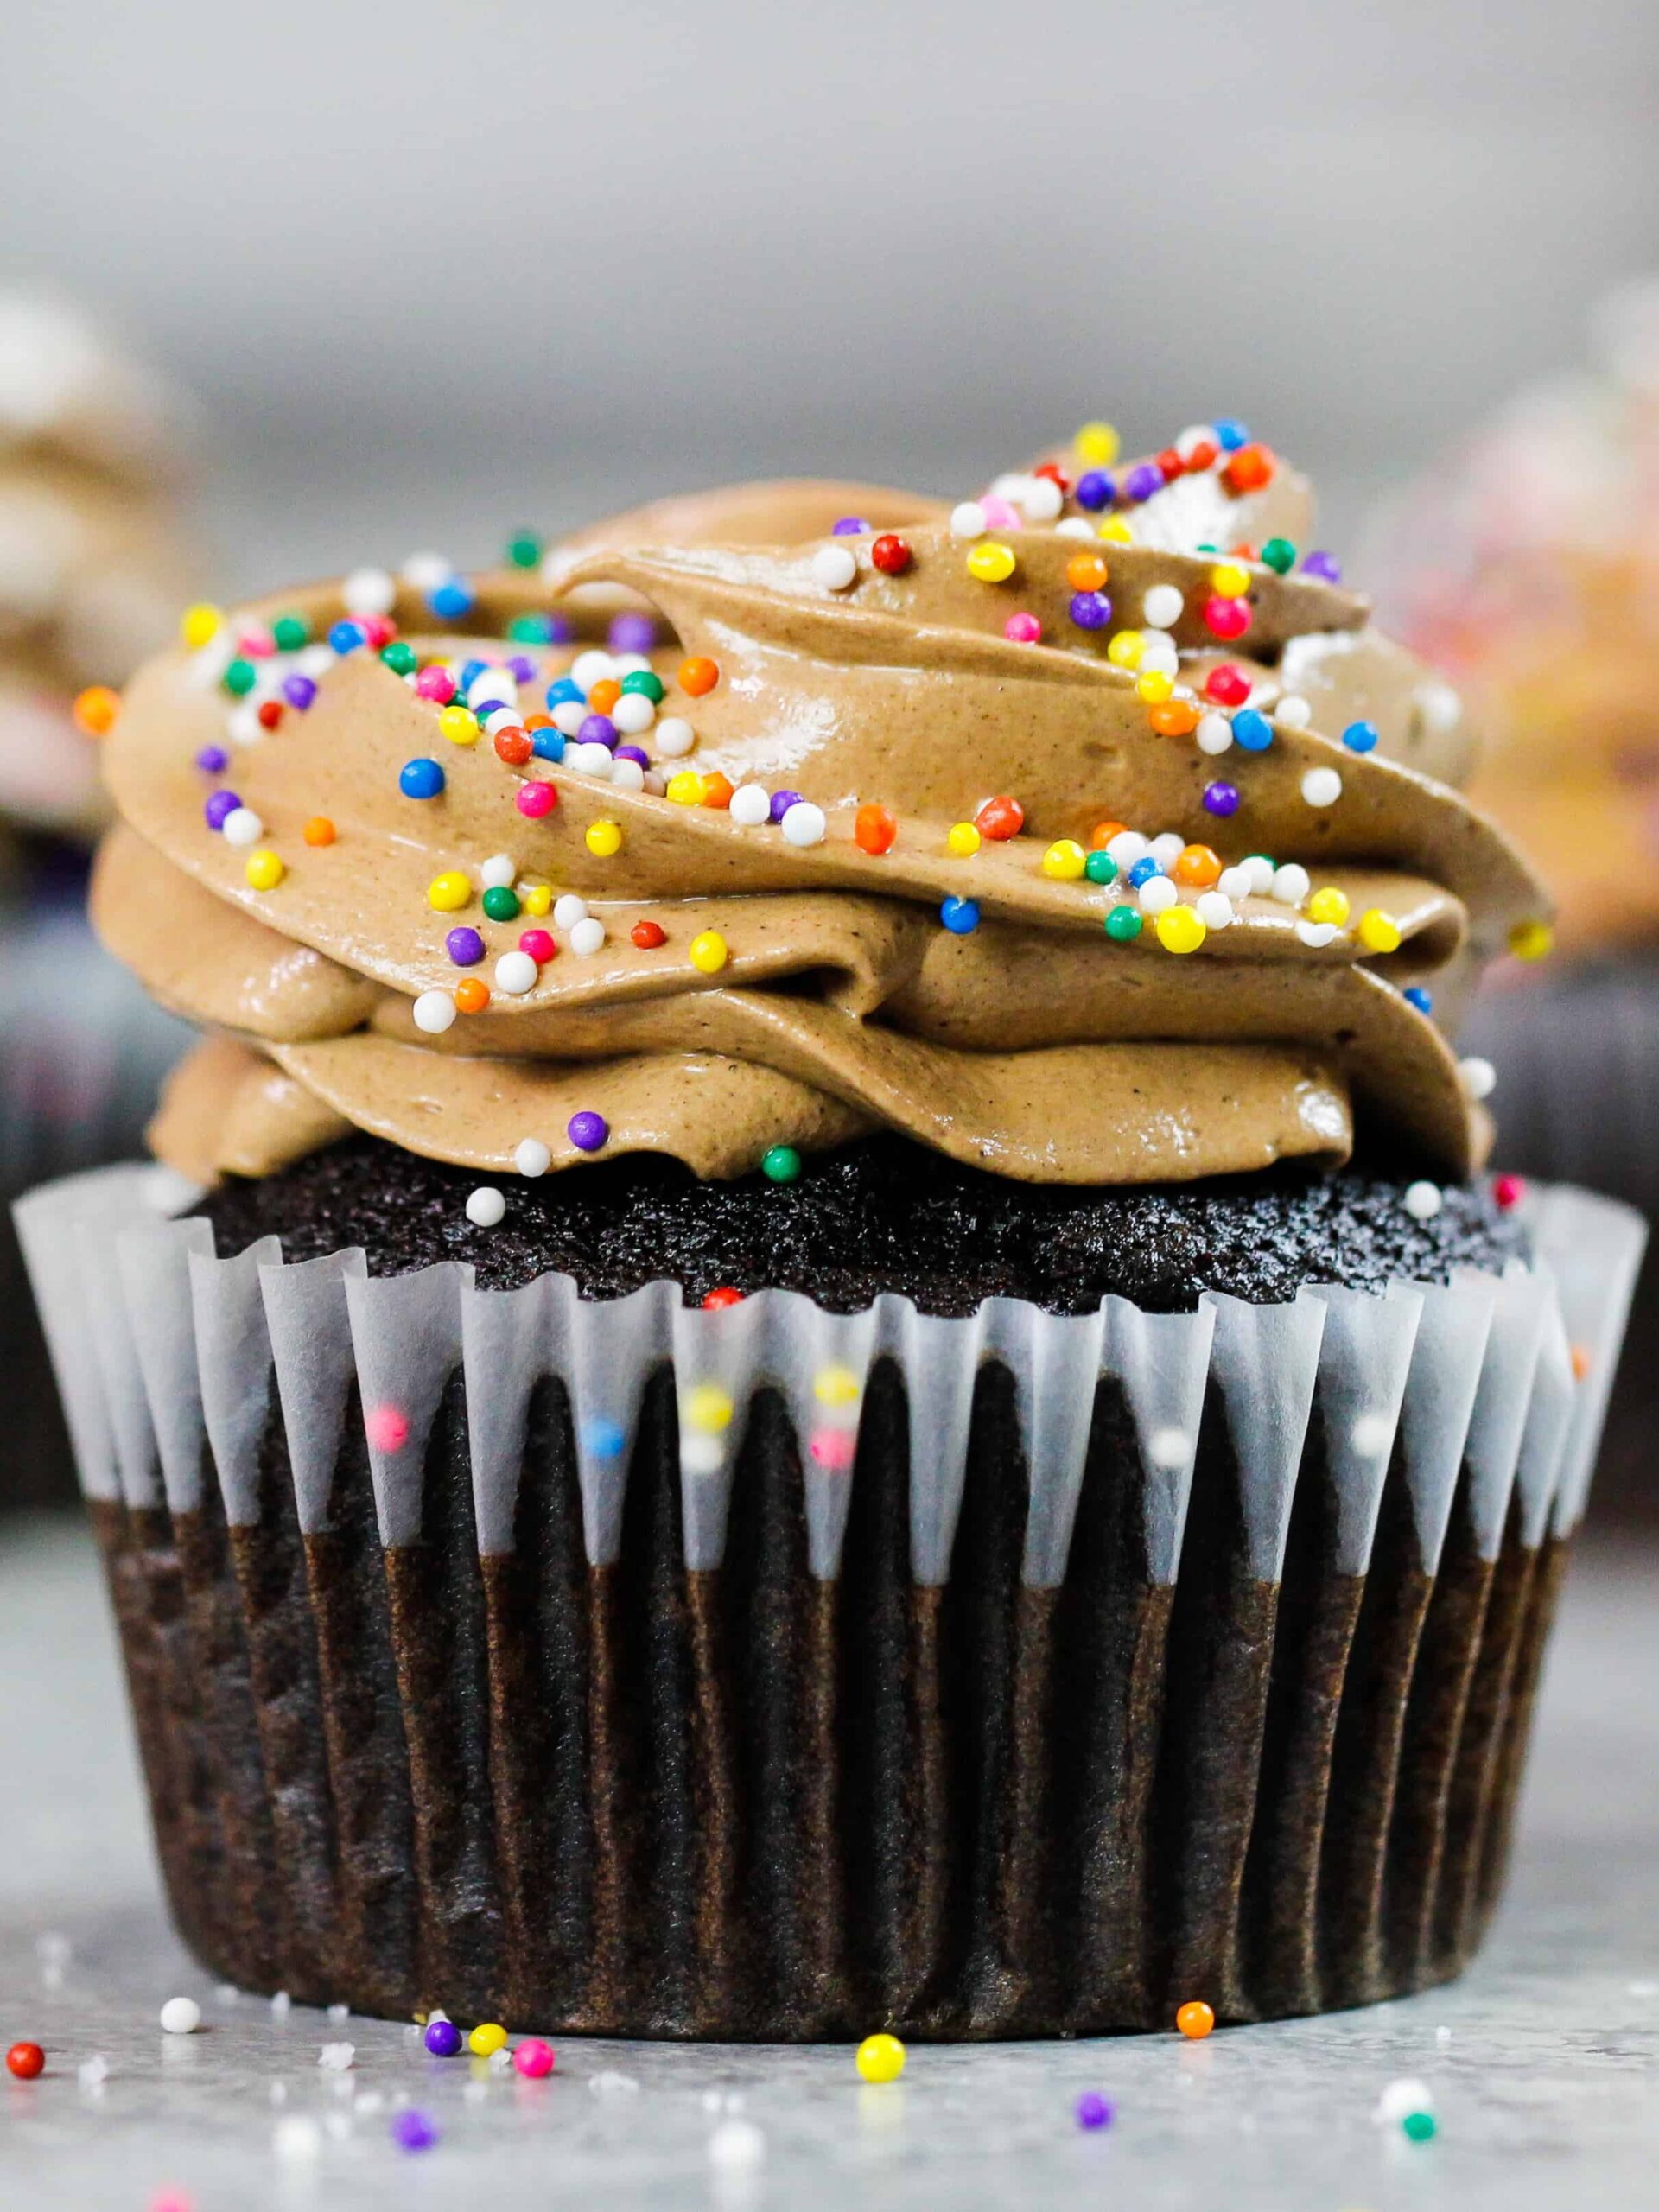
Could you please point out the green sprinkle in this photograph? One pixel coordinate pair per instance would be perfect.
(1124, 924)
(1279, 554)
(1100, 866)
(1419, 2126)
(500, 903)
(241, 677)
(782, 1164)
(399, 658)
(531, 629)
(290, 632)
(647, 682)
(524, 551)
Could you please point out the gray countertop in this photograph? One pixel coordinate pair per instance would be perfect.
(1541, 2061)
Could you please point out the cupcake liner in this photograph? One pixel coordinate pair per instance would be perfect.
(774, 1672)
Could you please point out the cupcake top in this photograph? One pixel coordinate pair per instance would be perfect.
(1083, 831)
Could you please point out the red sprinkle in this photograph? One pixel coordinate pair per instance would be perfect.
(1204, 455)
(717, 1300)
(1508, 1191)
(1227, 686)
(270, 713)
(1226, 618)
(648, 935)
(1000, 818)
(26, 2059)
(891, 555)
(1168, 464)
(1054, 472)
(513, 746)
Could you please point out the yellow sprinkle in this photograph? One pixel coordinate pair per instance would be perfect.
(962, 839)
(1379, 932)
(1328, 904)
(536, 898)
(685, 788)
(1154, 687)
(602, 840)
(264, 870)
(880, 2058)
(1065, 860)
(1229, 581)
(709, 951)
(1126, 649)
(200, 623)
(990, 563)
(1098, 444)
(707, 1408)
(487, 2039)
(835, 1386)
(461, 725)
(1532, 940)
(1116, 531)
(449, 892)
(1180, 929)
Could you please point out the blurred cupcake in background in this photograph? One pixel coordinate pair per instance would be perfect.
(1526, 564)
(96, 561)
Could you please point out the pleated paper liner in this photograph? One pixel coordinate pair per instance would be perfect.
(771, 1672)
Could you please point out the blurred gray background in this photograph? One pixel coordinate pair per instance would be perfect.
(435, 272)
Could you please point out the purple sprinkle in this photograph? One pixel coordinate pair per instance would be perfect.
(849, 526)
(1221, 798)
(634, 753)
(1093, 2110)
(1142, 480)
(1095, 490)
(587, 1131)
(213, 759)
(1090, 610)
(597, 729)
(299, 691)
(442, 2038)
(561, 629)
(781, 803)
(1324, 566)
(414, 2130)
(521, 667)
(631, 632)
(219, 805)
(465, 947)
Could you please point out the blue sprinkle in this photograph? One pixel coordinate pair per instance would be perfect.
(960, 916)
(1143, 871)
(1360, 737)
(452, 598)
(1095, 490)
(604, 1439)
(1229, 434)
(1415, 994)
(564, 691)
(1251, 730)
(470, 672)
(420, 780)
(547, 744)
(347, 636)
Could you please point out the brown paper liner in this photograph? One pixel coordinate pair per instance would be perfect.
(641, 1800)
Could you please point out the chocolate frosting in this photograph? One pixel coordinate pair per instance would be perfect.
(1034, 1044)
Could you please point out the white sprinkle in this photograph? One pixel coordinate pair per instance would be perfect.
(803, 824)
(1293, 711)
(737, 2146)
(591, 758)
(629, 665)
(1127, 846)
(1371, 1435)
(242, 826)
(1291, 883)
(337, 2058)
(297, 2139)
(1162, 607)
(280, 2004)
(515, 973)
(424, 572)
(1262, 873)
(433, 1013)
(502, 718)
(750, 805)
(702, 1455)
(593, 667)
(1423, 1200)
(627, 776)
(1316, 935)
(500, 2061)
(1236, 882)
(485, 1206)
(1075, 526)
(243, 726)
(1200, 434)
(1214, 909)
(834, 568)
(339, 2012)
(1321, 786)
(587, 937)
(1215, 734)
(369, 591)
(569, 717)
(1040, 500)
(436, 2014)
(1440, 707)
(674, 737)
(1158, 655)
(1479, 1077)
(531, 1157)
(634, 713)
(315, 660)
(1169, 1447)
(181, 2015)
(1399, 2098)
(93, 2073)
(968, 520)
(497, 872)
(1158, 894)
(497, 685)
(1442, 2038)
(1167, 847)
(610, 2083)
(569, 910)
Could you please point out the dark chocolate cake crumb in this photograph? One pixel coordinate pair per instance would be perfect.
(882, 1215)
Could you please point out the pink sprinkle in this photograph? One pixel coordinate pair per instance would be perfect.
(1022, 630)
(537, 799)
(171, 2200)
(435, 683)
(1509, 1190)
(833, 1448)
(377, 630)
(539, 943)
(1000, 515)
(257, 644)
(533, 2059)
(387, 1427)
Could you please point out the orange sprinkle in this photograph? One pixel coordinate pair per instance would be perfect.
(1250, 467)
(96, 708)
(1582, 1361)
(471, 995)
(1085, 572)
(1102, 834)
(698, 675)
(1198, 865)
(604, 695)
(875, 828)
(319, 830)
(538, 722)
(1174, 718)
(717, 790)
(1195, 2018)
(1001, 817)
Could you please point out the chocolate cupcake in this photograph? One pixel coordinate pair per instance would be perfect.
(820, 1346)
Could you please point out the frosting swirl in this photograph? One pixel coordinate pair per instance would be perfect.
(787, 914)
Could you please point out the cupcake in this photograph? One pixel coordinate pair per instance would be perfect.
(818, 1343)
